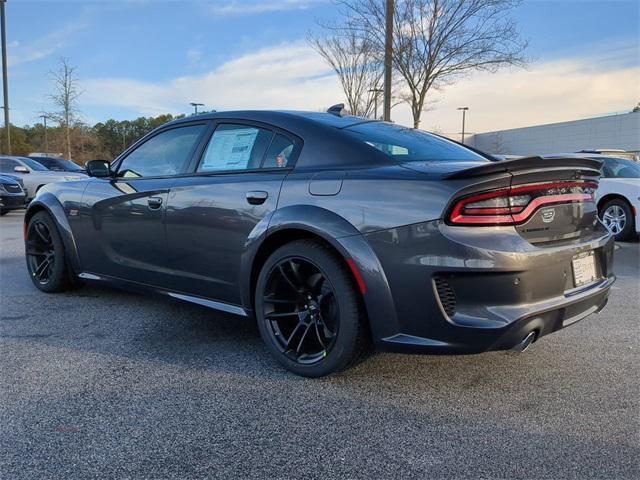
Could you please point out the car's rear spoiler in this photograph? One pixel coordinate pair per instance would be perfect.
(585, 166)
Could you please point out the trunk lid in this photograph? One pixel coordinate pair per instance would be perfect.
(560, 190)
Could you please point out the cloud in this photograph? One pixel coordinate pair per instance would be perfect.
(247, 7)
(43, 46)
(282, 76)
(547, 92)
(293, 76)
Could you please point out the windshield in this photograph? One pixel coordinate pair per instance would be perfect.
(620, 168)
(70, 166)
(33, 165)
(405, 144)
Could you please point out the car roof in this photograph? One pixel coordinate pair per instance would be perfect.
(278, 117)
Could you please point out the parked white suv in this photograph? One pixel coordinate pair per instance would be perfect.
(33, 174)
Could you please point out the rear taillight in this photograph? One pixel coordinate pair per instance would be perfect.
(511, 206)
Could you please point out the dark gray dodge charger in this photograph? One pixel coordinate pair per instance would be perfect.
(337, 234)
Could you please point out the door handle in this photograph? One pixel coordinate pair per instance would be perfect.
(154, 202)
(257, 197)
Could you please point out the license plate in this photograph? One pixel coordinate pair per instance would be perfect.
(584, 268)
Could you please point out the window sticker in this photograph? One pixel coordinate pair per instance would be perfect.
(230, 149)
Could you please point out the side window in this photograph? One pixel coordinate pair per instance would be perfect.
(235, 147)
(279, 153)
(7, 165)
(163, 154)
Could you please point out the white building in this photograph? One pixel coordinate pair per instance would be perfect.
(611, 132)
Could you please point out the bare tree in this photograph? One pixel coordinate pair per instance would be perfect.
(436, 42)
(65, 96)
(353, 57)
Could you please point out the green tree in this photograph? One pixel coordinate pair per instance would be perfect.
(19, 142)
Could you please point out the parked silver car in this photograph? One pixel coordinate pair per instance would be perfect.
(33, 174)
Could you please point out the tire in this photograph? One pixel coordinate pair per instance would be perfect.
(617, 216)
(54, 276)
(334, 318)
(3, 212)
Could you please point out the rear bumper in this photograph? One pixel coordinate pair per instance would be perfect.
(459, 290)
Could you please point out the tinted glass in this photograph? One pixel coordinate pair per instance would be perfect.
(162, 155)
(235, 147)
(7, 165)
(410, 145)
(279, 153)
(49, 163)
(620, 168)
(70, 166)
(33, 165)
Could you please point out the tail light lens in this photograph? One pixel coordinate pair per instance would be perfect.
(511, 206)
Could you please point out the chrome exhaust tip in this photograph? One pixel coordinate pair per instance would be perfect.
(524, 343)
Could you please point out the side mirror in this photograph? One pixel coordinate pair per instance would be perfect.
(21, 169)
(98, 168)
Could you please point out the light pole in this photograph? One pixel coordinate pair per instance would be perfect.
(195, 107)
(5, 86)
(46, 143)
(464, 114)
(376, 92)
(388, 52)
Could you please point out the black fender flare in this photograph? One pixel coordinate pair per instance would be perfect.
(48, 202)
(345, 239)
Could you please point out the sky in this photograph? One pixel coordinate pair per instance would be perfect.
(147, 57)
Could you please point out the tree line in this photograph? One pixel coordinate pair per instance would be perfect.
(104, 140)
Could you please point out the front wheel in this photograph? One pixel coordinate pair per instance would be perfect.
(46, 261)
(617, 217)
(308, 309)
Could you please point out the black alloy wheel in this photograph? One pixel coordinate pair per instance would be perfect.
(300, 310)
(41, 256)
(309, 312)
(45, 254)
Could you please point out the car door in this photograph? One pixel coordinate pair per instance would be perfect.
(124, 232)
(234, 185)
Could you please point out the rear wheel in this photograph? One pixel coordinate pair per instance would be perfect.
(617, 216)
(308, 310)
(45, 254)
(3, 212)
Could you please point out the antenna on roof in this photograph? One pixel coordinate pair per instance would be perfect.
(337, 110)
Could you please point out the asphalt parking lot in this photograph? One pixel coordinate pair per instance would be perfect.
(100, 383)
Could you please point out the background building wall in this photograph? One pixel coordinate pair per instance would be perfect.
(615, 131)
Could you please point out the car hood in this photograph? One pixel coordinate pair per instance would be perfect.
(59, 175)
(8, 179)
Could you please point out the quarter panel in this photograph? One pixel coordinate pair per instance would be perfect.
(385, 197)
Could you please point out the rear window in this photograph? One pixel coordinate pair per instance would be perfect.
(405, 144)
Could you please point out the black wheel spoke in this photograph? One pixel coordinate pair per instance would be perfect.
(296, 275)
(320, 341)
(302, 338)
(272, 299)
(282, 315)
(293, 334)
(42, 233)
(43, 268)
(288, 278)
